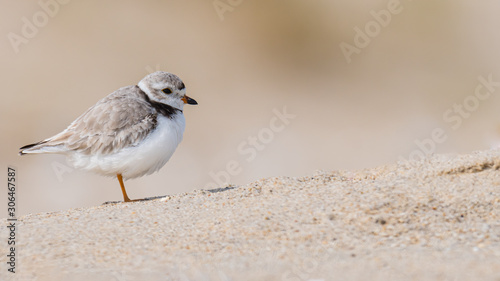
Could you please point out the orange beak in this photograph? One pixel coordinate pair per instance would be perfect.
(188, 100)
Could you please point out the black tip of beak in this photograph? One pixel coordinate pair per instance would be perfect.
(191, 101)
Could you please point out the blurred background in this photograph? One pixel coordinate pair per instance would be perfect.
(363, 88)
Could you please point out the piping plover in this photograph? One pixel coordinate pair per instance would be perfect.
(128, 134)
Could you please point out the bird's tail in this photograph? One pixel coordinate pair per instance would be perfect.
(40, 147)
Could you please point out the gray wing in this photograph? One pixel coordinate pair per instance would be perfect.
(120, 120)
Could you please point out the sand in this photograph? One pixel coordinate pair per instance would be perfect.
(438, 219)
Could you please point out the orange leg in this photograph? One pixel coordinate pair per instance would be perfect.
(125, 196)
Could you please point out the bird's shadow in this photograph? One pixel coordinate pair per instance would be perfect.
(215, 190)
(222, 189)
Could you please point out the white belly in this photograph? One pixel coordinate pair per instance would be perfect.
(145, 158)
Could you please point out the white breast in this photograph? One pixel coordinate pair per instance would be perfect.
(145, 158)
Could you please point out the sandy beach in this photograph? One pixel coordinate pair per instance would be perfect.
(285, 88)
(438, 219)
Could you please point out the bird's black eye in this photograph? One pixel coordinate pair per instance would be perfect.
(167, 91)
